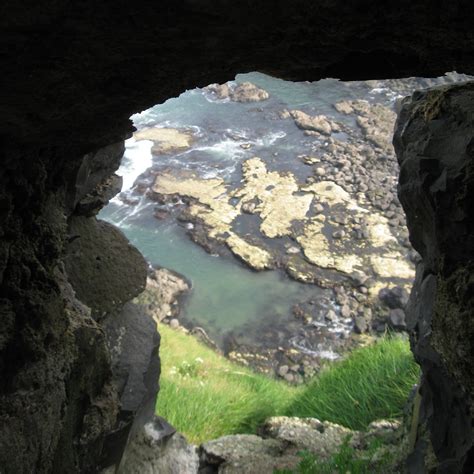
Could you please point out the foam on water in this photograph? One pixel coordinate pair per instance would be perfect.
(136, 160)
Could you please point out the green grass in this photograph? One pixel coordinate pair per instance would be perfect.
(372, 383)
(206, 396)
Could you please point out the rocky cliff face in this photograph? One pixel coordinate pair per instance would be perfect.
(435, 147)
(72, 75)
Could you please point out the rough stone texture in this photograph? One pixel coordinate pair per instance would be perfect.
(157, 449)
(282, 438)
(100, 261)
(246, 454)
(133, 341)
(321, 438)
(72, 74)
(435, 147)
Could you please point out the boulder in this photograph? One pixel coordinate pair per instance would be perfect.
(393, 298)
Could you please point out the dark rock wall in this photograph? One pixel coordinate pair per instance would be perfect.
(72, 74)
(435, 147)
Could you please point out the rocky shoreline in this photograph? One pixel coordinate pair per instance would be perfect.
(341, 229)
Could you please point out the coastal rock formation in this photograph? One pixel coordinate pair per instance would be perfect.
(165, 140)
(284, 207)
(73, 74)
(163, 290)
(434, 143)
(244, 92)
(316, 123)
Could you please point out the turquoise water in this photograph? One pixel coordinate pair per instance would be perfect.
(226, 296)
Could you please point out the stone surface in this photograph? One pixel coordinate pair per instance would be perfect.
(242, 92)
(165, 140)
(105, 270)
(163, 289)
(158, 449)
(246, 454)
(133, 342)
(434, 143)
(317, 123)
(282, 438)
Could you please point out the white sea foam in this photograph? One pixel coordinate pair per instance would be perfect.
(136, 160)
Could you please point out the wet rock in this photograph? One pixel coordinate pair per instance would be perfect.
(316, 123)
(396, 318)
(395, 297)
(244, 92)
(346, 311)
(338, 234)
(166, 140)
(163, 289)
(331, 315)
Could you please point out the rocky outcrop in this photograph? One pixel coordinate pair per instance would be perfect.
(163, 290)
(243, 92)
(435, 147)
(165, 140)
(62, 404)
(159, 449)
(314, 123)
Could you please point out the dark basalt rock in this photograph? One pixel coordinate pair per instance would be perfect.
(435, 147)
(74, 72)
(104, 269)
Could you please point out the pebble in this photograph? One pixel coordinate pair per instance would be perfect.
(320, 171)
(283, 370)
(338, 234)
(174, 323)
(289, 377)
(318, 208)
(345, 311)
(360, 324)
(331, 315)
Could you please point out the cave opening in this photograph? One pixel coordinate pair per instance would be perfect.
(268, 213)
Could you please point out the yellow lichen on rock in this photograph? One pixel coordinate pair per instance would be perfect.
(391, 265)
(330, 192)
(165, 140)
(379, 231)
(254, 256)
(279, 205)
(211, 199)
(317, 249)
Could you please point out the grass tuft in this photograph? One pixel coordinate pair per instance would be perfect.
(206, 396)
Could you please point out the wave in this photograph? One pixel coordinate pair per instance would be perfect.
(136, 160)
